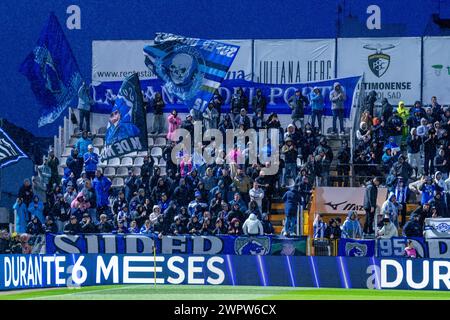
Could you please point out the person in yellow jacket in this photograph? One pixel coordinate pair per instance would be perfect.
(403, 113)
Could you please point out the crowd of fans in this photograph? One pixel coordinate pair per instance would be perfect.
(405, 149)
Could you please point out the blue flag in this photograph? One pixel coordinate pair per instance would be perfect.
(9, 151)
(127, 127)
(191, 69)
(52, 71)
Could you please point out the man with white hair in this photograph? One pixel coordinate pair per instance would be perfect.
(90, 162)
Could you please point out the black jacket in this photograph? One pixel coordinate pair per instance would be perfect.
(70, 228)
(412, 229)
(370, 196)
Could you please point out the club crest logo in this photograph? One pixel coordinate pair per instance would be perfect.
(443, 227)
(252, 245)
(353, 249)
(379, 61)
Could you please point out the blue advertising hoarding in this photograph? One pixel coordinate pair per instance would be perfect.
(184, 244)
(75, 270)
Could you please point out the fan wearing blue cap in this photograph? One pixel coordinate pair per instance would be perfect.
(120, 123)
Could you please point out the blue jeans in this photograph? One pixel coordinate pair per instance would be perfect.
(85, 120)
(289, 224)
(290, 171)
(317, 114)
(338, 113)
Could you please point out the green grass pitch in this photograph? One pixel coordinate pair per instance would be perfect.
(185, 292)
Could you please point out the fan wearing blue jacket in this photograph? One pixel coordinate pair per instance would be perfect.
(90, 162)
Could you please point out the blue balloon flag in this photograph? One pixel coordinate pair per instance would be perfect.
(191, 68)
(52, 71)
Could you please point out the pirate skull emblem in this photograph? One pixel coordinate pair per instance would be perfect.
(181, 68)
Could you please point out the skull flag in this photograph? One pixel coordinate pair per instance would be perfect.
(191, 69)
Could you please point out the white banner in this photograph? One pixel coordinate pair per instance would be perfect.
(391, 66)
(331, 200)
(114, 60)
(437, 228)
(294, 61)
(436, 69)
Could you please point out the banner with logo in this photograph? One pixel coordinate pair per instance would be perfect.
(191, 68)
(277, 94)
(356, 248)
(140, 243)
(436, 69)
(53, 72)
(77, 270)
(391, 66)
(331, 200)
(113, 60)
(295, 61)
(437, 228)
(127, 126)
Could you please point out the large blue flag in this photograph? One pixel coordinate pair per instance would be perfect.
(127, 127)
(191, 69)
(9, 151)
(52, 71)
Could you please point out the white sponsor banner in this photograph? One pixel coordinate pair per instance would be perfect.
(114, 60)
(437, 228)
(436, 69)
(331, 200)
(294, 61)
(391, 66)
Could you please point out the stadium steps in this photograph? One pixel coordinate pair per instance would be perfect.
(276, 215)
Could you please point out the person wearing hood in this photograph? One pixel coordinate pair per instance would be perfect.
(268, 228)
(90, 162)
(413, 145)
(252, 226)
(21, 215)
(36, 208)
(194, 226)
(257, 195)
(298, 103)
(402, 168)
(392, 144)
(395, 124)
(292, 200)
(177, 227)
(403, 113)
(337, 98)
(391, 207)
(82, 144)
(440, 163)
(438, 202)
(413, 227)
(351, 228)
(388, 230)
(422, 129)
(386, 110)
(75, 163)
(364, 132)
(60, 212)
(155, 214)
(370, 204)
(317, 107)
(34, 227)
(157, 104)
(369, 101)
(414, 119)
(220, 227)
(69, 177)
